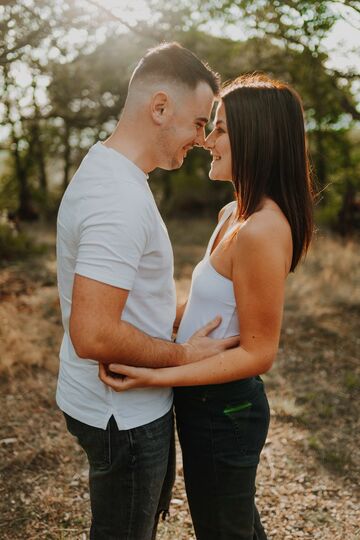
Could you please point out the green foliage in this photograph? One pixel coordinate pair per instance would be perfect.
(188, 191)
(14, 244)
(352, 381)
(77, 90)
(8, 187)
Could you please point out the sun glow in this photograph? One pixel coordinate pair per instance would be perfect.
(128, 11)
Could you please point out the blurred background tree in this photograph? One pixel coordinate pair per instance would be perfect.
(65, 66)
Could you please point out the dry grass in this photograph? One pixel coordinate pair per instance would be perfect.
(307, 482)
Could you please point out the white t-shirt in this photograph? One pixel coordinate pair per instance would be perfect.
(109, 229)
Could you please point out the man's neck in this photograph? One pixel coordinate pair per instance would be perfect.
(132, 147)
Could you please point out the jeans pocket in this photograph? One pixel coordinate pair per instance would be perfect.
(251, 422)
(239, 415)
(94, 441)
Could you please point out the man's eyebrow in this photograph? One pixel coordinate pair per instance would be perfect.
(220, 122)
(202, 119)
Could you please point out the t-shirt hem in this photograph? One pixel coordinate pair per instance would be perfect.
(123, 424)
(119, 283)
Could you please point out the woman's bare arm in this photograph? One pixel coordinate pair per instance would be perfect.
(260, 263)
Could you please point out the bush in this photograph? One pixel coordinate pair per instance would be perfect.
(13, 243)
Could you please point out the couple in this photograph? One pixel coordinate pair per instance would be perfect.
(115, 276)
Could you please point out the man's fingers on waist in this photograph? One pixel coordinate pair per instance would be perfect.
(205, 330)
(231, 342)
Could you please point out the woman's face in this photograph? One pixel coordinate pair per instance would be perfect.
(218, 144)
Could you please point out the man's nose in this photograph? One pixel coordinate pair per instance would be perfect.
(200, 138)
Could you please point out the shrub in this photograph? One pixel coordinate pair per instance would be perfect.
(13, 243)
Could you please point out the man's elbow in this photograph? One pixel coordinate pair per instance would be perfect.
(85, 348)
(87, 343)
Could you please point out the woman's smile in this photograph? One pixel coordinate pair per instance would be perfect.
(218, 144)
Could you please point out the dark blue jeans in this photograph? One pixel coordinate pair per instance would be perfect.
(131, 475)
(222, 430)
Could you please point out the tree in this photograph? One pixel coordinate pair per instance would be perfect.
(77, 86)
(30, 30)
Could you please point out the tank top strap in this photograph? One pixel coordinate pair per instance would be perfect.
(228, 209)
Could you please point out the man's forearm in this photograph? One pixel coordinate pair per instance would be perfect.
(126, 344)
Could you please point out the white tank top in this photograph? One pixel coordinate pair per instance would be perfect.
(211, 294)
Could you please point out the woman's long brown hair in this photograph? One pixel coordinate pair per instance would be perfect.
(269, 153)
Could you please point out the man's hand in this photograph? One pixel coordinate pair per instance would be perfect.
(121, 377)
(200, 346)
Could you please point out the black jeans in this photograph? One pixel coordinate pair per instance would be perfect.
(130, 477)
(222, 430)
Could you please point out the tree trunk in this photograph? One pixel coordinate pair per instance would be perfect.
(67, 155)
(40, 158)
(349, 211)
(320, 162)
(25, 209)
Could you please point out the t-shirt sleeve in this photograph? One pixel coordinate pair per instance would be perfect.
(113, 235)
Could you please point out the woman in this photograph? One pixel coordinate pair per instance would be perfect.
(258, 143)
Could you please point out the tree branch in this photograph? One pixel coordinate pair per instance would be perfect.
(351, 4)
(141, 32)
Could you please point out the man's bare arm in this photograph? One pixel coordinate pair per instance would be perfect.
(97, 332)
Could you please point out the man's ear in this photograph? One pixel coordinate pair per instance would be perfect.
(160, 107)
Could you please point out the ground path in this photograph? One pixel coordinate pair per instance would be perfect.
(308, 477)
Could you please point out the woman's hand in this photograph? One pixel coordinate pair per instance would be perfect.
(130, 377)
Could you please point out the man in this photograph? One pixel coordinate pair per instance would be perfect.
(115, 277)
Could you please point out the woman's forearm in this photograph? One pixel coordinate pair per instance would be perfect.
(228, 366)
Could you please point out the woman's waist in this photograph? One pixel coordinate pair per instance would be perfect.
(242, 388)
(194, 319)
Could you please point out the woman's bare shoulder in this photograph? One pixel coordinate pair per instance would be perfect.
(265, 233)
(266, 223)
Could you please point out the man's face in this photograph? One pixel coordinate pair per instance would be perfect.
(186, 126)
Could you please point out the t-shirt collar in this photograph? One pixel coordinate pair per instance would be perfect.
(121, 159)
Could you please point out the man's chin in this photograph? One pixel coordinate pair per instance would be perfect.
(169, 166)
(176, 164)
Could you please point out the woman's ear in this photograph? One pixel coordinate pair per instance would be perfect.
(159, 107)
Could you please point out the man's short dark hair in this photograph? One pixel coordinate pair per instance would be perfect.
(171, 61)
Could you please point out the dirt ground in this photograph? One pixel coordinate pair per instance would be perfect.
(308, 477)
